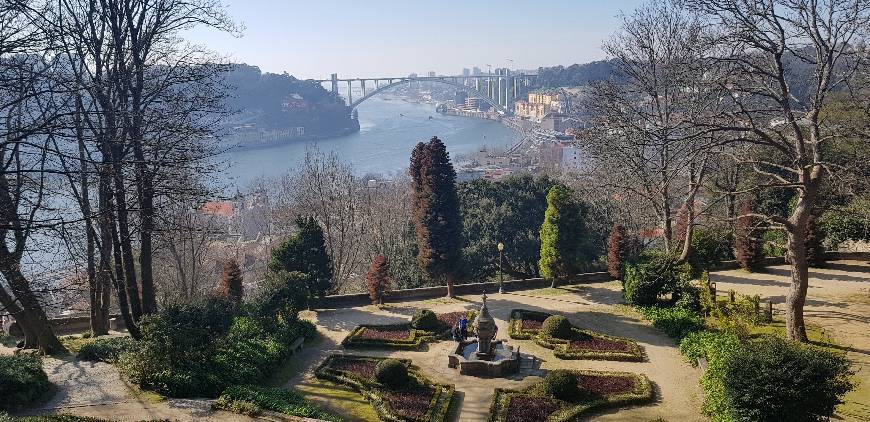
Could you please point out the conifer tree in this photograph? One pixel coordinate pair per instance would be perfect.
(378, 279)
(436, 212)
(230, 287)
(305, 252)
(616, 251)
(562, 235)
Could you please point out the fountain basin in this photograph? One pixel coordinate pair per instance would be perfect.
(501, 361)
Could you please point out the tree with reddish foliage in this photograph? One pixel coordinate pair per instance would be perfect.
(436, 212)
(378, 279)
(617, 249)
(230, 287)
(747, 237)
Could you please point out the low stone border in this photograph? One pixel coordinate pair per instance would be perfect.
(570, 411)
(374, 392)
(413, 341)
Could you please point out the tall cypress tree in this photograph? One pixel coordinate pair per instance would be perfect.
(436, 211)
(305, 252)
(562, 235)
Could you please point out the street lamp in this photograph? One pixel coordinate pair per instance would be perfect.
(500, 272)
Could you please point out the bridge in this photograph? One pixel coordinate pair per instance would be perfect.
(498, 91)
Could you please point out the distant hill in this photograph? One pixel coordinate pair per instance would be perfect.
(280, 101)
(576, 74)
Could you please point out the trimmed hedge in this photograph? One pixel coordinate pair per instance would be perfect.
(425, 320)
(22, 381)
(557, 326)
(392, 373)
(106, 349)
(416, 337)
(375, 392)
(582, 404)
(561, 347)
(61, 418)
(252, 400)
(561, 384)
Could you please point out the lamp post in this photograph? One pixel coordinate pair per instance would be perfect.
(500, 272)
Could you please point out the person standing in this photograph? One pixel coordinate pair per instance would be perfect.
(463, 327)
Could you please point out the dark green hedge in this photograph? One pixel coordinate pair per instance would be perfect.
(106, 349)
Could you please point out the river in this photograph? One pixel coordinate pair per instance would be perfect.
(389, 129)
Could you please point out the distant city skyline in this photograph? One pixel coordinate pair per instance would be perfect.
(380, 38)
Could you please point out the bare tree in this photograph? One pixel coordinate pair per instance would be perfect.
(644, 141)
(780, 62)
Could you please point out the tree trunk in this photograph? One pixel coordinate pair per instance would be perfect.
(797, 292)
(450, 280)
(36, 324)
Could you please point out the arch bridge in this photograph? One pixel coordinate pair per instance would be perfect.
(498, 91)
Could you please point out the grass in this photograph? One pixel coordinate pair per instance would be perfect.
(339, 399)
(74, 342)
(446, 300)
(7, 340)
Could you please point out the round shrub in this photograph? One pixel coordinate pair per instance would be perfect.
(425, 319)
(106, 349)
(392, 373)
(557, 326)
(773, 377)
(561, 384)
(22, 381)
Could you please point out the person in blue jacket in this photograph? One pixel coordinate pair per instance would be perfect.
(463, 327)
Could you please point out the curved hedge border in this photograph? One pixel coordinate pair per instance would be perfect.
(373, 391)
(415, 339)
(561, 348)
(570, 411)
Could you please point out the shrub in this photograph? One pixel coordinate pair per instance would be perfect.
(392, 373)
(106, 349)
(676, 322)
(378, 279)
(772, 378)
(251, 400)
(230, 287)
(426, 320)
(307, 254)
(709, 248)
(644, 282)
(557, 326)
(717, 349)
(22, 381)
(561, 384)
(616, 251)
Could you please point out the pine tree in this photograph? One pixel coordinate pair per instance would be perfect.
(436, 212)
(748, 238)
(617, 246)
(230, 287)
(378, 279)
(305, 252)
(561, 235)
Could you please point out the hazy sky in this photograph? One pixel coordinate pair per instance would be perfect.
(366, 38)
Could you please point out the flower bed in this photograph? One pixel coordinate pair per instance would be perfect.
(585, 344)
(597, 390)
(524, 324)
(421, 400)
(402, 336)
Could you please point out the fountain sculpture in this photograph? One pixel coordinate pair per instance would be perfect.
(485, 356)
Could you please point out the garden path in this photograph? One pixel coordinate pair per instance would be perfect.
(838, 301)
(593, 306)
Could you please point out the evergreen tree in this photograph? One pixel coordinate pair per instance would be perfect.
(305, 252)
(748, 238)
(436, 212)
(562, 235)
(378, 279)
(616, 251)
(230, 287)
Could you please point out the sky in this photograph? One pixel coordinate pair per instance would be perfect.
(376, 38)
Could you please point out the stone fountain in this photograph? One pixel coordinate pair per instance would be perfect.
(485, 356)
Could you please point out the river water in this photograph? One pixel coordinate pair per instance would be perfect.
(389, 129)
